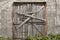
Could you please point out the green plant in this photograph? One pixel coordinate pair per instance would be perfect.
(3, 38)
(45, 37)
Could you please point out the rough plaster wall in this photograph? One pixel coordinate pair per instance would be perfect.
(6, 14)
(51, 10)
(58, 17)
(6, 17)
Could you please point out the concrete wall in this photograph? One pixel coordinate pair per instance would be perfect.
(53, 10)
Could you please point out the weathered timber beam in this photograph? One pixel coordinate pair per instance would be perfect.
(37, 29)
(24, 21)
(34, 17)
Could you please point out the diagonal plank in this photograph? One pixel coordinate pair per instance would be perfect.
(34, 17)
(24, 21)
(38, 30)
(28, 19)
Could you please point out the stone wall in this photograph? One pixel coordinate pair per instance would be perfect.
(53, 10)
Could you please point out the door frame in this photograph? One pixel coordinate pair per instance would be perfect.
(41, 3)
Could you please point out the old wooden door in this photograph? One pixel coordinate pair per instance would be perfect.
(29, 18)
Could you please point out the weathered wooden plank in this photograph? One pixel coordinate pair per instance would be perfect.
(38, 30)
(34, 17)
(24, 21)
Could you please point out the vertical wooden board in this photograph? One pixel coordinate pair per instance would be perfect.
(15, 9)
(21, 30)
(35, 31)
(43, 12)
(42, 28)
(34, 8)
(23, 8)
(46, 26)
(29, 30)
(19, 33)
(25, 30)
(15, 32)
(38, 27)
(14, 20)
(27, 5)
(16, 16)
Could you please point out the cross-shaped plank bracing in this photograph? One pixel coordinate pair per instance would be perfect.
(33, 13)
